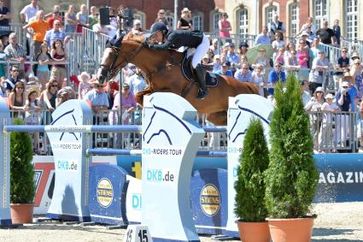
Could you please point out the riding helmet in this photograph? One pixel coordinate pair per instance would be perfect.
(159, 26)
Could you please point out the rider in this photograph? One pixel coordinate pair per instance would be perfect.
(163, 39)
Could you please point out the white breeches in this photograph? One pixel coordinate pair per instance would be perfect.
(200, 51)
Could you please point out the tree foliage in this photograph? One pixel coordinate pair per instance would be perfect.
(291, 179)
(22, 187)
(250, 185)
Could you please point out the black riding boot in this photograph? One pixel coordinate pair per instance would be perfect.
(202, 91)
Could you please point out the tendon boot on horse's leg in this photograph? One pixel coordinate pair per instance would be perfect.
(202, 91)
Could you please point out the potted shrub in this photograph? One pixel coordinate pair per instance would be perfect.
(291, 178)
(250, 186)
(22, 187)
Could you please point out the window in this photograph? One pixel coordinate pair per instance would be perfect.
(270, 11)
(197, 22)
(294, 18)
(320, 13)
(242, 22)
(351, 10)
(216, 16)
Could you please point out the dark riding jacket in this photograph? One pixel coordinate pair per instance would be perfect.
(178, 38)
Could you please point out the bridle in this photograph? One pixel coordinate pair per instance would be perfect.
(113, 69)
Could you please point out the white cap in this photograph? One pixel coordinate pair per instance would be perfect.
(137, 21)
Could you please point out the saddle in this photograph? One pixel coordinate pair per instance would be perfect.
(212, 79)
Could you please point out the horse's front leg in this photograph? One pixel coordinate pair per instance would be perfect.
(140, 95)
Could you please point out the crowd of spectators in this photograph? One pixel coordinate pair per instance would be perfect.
(45, 78)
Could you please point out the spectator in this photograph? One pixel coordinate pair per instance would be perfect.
(302, 54)
(243, 48)
(275, 75)
(32, 114)
(16, 53)
(37, 27)
(217, 64)
(2, 58)
(314, 105)
(42, 71)
(262, 59)
(55, 15)
(224, 28)
(337, 31)
(318, 72)
(305, 92)
(93, 17)
(279, 42)
(70, 20)
(4, 19)
(82, 18)
(308, 25)
(97, 97)
(304, 37)
(341, 66)
(136, 28)
(326, 138)
(185, 21)
(243, 74)
(58, 71)
(263, 38)
(26, 14)
(161, 18)
(276, 26)
(292, 64)
(215, 48)
(12, 80)
(226, 69)
(232, 57)
(56, 33)
(326, 34)
(29, 11)
(279, 57)
(356, 68)
(259, 79)
(136, 82)
(49, 95)
(84, 84)
(343, 101)
(17, 100)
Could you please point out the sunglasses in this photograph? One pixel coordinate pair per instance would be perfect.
(15, 70)
(98, 86)
(54, 86)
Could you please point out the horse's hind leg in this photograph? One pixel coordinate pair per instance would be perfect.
(218, 118)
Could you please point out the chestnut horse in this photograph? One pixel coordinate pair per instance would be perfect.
(162, 71)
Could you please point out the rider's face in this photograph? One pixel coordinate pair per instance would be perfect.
(157, 37)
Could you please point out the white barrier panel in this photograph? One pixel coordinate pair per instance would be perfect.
(241, 109)
(71, 191)
(5, 218)
(170, 140)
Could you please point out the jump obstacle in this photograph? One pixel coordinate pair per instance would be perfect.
(72, 156)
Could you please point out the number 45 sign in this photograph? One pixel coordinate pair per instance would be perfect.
(137, 233)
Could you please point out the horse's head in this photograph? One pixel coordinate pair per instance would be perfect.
(118, 53)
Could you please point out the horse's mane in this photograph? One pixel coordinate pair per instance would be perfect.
(134, 37)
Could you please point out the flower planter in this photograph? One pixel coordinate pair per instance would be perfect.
(254, 231)
(21, 213)
(291, 230)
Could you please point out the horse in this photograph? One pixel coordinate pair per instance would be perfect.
(163, 73)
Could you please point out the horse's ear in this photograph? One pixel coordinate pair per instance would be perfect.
(129, 36)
